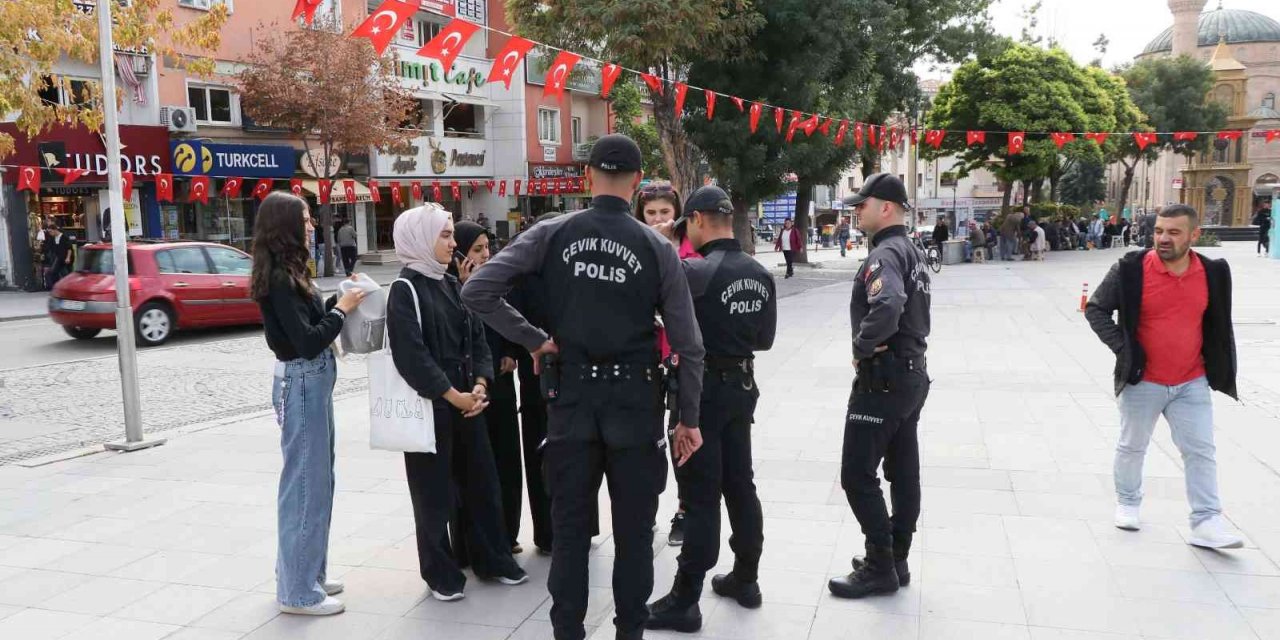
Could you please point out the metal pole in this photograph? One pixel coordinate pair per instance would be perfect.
(128, 350)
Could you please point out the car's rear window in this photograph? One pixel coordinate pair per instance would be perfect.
(100, 261)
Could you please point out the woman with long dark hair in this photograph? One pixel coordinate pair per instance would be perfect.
(439, 348)
(299, 332)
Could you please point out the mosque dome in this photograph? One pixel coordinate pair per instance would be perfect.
(1240, 27)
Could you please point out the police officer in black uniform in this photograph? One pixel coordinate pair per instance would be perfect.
(736, 303)
(606, 274)
(890, 317)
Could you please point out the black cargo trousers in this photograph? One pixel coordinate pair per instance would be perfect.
(605, 425)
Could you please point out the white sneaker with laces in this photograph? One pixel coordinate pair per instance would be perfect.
(1127, 518)
(327, 607)
(1215, 533)
(334, 587)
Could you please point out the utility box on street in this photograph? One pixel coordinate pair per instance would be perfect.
(953, 252)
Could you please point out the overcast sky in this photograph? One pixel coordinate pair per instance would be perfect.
(1129, 24)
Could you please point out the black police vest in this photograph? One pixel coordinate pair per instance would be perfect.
(602, 286)
(731, 303)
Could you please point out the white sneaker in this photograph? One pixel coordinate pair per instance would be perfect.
(334, 587)
(329, 606)
(1215, 533)
(447, 597)
(1127, 518)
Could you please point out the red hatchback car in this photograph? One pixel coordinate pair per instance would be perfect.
(172, 285)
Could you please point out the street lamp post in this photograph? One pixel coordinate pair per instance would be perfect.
(127, 348)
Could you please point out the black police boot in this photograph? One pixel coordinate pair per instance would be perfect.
(900, 566)
(678, 610)
(875, 575)
(728, 585)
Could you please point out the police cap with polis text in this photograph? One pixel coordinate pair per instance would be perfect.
(709, 199)
(881, 186)
(616, 153)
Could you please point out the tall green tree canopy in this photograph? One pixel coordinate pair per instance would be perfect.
(632, 120)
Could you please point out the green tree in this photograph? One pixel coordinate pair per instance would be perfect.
(1084, 184)
(633, 121)
(663, 37)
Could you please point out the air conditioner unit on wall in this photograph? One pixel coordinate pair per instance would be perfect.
(178, 119)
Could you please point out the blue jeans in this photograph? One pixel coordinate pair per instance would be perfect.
(1006, 248)
(1188, 408)
(303, 400)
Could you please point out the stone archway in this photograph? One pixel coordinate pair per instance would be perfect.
(1219, 201)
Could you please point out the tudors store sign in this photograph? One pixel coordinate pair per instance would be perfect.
(144, 151)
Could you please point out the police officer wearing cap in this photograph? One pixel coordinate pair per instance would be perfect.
(735, 300)
(890, 317)
(606, 274)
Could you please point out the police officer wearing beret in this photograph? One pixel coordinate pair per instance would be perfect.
(735, 300)
(890, 317)
(606, 275)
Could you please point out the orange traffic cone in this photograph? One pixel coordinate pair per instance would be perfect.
(1084, 297)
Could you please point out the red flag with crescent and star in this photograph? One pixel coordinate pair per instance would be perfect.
(326, 190)
(263, 188)
(558, 74)
(397, 198)
(794, 125)
(842, 132)
(505, 63)
(435, 191)
(976, 137)
(126, 184)
(69, 176)
(740, 102)
(1017, 141)
(754, 119)
(491, 184)
(826, 127)
(1145, 140)
(29, 179)
(231, 187)
(415, 189)
(1062, 139)
(934, 137)
(778, 114)
(374, 194)
(295, 186)
(349, 190)
(608, 76)
(164, 187)
(871, 135)
(455, 190)
(1100, 138)
(502, 188)
(857, 135)
(682, 90)
(306, 9)
(516, 190)
(447, 45)
(1185, 136)
(199, 190)
(655, 85)
(381, 26)
(1230, 135)
(811, 125)
(711, 104)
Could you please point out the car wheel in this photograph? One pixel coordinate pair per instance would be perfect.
(154, 323)
(82, 333)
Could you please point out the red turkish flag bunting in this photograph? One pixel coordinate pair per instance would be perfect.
(502, 189)
(857, 135)
(1062, 139)
(263, 188)
(915, 136)
(164, 187)
(884, 138)
(655, 85)
(794, 125)
(199, 189)
(826, 127)
(608, 76)
(895, 137)
(435, 191)
(558, 74)
(415, 189)
(326, 190)
(1017, 141)
(475, 185)
(1273, 135)
(455, 190)
(1100, 138)
(778, 114)
(295, 185)
(842, 132)
(231, 187)
(1185, 136)
(126, 184)
(397, 198)
(69, 176)
(306, 9)
(871, 135)
(446, 46)
(738, 101)
(756, 108)
(491, 184)
(29, 178)
(505, 63)
(349, 190)
(1229, 135)
(374, 194)
(515, 191)
(711, 104)
(934, 137)
(976, 137)
(682, 90)
(811, 125)
(1145, 140)
(381, 26)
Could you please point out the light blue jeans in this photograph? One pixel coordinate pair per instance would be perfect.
(303, 400)
(1188, 408)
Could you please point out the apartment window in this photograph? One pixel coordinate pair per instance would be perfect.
(472, 10)
(420, 117)
(213, 105)
(462, 120)
(68, 92)
(427, 29)
(575, 128)
(205, 5)
(549, 126)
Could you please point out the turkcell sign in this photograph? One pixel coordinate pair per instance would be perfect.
(194, 158)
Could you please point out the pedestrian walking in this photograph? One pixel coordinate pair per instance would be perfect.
(299, 331)
(736, 304)
(439, 348)
(347, 246)
(1262, 220)
(1174, 343)
(842, 235)
(58, 255)
(611, 274)
(790, 242)
(890, 316)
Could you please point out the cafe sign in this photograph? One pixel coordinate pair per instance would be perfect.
(431, 157)
(466, 77)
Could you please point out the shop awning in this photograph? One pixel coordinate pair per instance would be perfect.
(465, 99)
(339, 194)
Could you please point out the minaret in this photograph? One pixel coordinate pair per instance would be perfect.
(1186, 25)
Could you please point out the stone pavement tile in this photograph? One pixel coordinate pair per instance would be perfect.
(30, 587)
(808, 512)
(1067, 576)
(1151, 533)
(393, 528)
(38, 624)
(968, 602)
(355, 551)
(384, 591)
(794, 491)
(101, 596)
(194, 633)
(486, 603)
(1265, 622)
(1187, 621)
(7, 610)
(801, 532)
(982, 571)
(1251, 591)
(783, 555)
(95, 530)
(1045, 633)
(932, 628)
(1051, 538)
(34, 553)
(957, 478)
(848, 624)
(783, 587)
(414, 629)
(98, 559)
(1065, 506)
(118, 629)
(905, 601)
(542, 630)
(402, 555)
(1084, 484)
(1159, 584)
(765, 623)
(243, 614)
(1242, 561)
(1080, 610)
(351, 625)
(1174, 557)
(599, 606)
(177, 604)
(166, 566)
(964, 534)
(236, 573)
(970, 501)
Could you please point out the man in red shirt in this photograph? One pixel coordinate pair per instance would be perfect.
(1173, 344)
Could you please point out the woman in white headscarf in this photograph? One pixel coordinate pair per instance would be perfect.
(447, 361)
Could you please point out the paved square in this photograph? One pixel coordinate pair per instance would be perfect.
(1015, 541)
